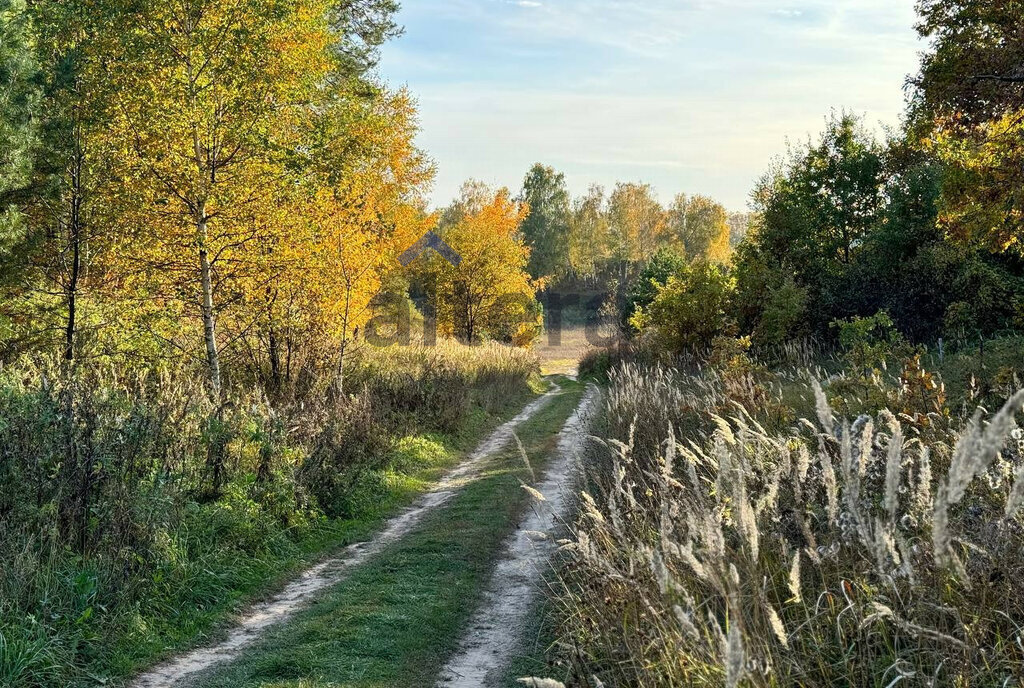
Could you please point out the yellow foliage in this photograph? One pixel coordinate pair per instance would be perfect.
(262, 201)
(982, 188)
(490, 292)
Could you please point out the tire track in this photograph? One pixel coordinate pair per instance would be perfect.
(496, 630)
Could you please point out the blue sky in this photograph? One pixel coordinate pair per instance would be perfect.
(688, 95)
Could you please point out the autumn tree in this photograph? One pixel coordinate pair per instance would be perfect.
(983, 189)
(973, 70)
(75, 171)
(546, 228)
(489, 293)
(359, 208)
(208, 89)
(690, 309)
(636, 224)
(589, 240)
(969, 104)
(474, 196)
(663, 265)
(701, 227)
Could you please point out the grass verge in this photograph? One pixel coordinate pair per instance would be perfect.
(533, 657)
(395, 620)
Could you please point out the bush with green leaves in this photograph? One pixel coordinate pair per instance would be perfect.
(868, 344)
(784, 315)
(847, 226)
(690, 310)
(663, 265)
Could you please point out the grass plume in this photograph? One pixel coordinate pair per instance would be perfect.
(812, 552)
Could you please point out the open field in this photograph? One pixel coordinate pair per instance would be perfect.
(561, 352)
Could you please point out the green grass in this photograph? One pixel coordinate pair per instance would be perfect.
(396, 619)
(195, 609)
(984, 373)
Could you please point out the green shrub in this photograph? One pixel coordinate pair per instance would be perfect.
(352, 442)
(690, 310)
(784, 316)
(664, 264)
(869, 343)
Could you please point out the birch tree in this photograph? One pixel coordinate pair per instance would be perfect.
(208, 87)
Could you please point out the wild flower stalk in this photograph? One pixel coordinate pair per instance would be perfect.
(893, 468)
(973, 453)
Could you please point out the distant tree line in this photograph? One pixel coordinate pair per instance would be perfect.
(602, 241)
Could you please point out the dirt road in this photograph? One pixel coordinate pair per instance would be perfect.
(498, 625)
(253, 624)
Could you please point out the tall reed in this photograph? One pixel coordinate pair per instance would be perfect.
(872, 551)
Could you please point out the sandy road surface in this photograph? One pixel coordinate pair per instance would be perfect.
(496, 629)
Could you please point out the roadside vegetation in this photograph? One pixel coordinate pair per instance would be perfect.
(754, 527)
(177, 512)
(213, 366)
(810, 469)
(396, 622)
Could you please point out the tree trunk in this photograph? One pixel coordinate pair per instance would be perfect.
(343, 346)
(209, 315)
(273, 344)
(75, 244)
(275, 361)
(339, 379)
(72, 298)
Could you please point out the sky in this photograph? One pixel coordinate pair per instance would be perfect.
(695, 96)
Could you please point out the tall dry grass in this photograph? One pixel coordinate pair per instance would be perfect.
(717, 546)
(443, 381)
